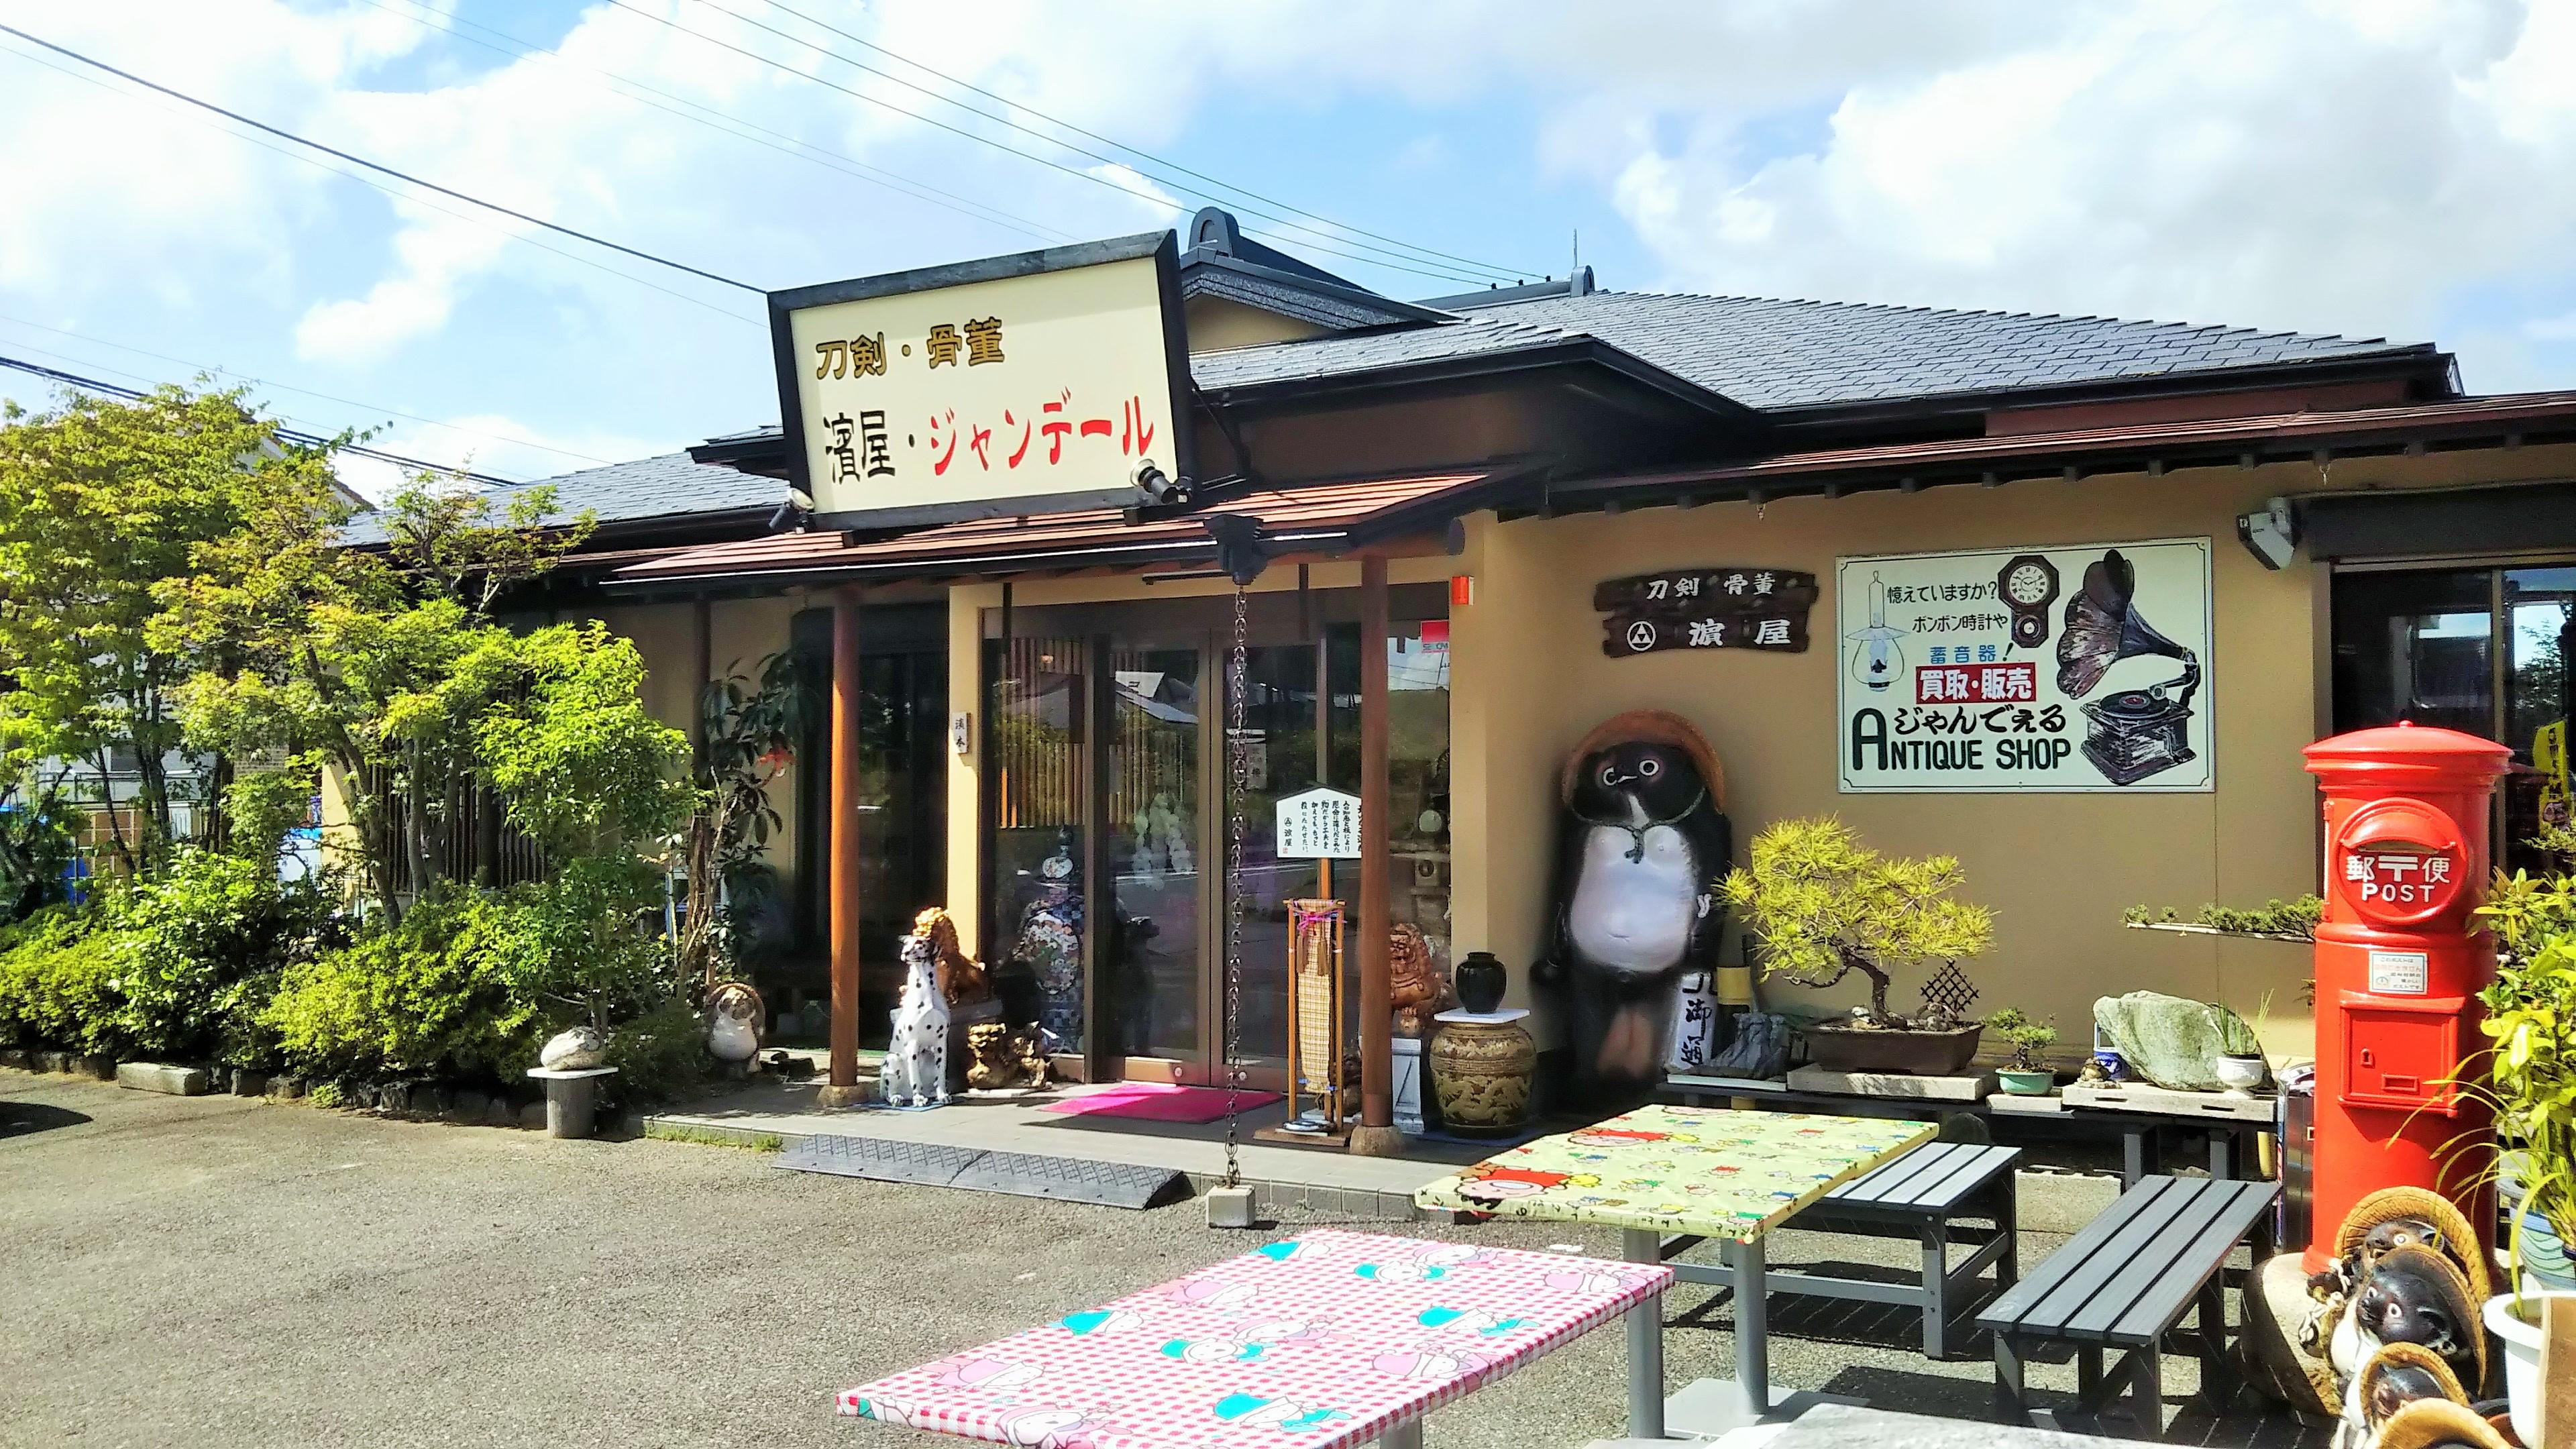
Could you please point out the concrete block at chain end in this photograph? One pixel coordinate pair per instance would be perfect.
(158, 1077)
(1229, 1207)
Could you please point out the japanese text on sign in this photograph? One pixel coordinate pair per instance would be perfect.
(1027, 383)
(1319, 824)
(2054, 669)
(1715, 608)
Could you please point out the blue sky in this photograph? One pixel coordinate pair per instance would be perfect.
(2377, 167)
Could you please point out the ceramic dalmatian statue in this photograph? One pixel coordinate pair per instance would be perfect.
(915, 1073)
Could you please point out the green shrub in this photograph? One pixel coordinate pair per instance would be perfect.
(427, 997)
(199, 950)
(58, 985)
(659, 1054)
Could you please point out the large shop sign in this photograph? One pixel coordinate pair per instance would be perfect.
(2054, 669)
(1021, 384)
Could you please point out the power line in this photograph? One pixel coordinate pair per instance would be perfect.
(1431, 253)
(1442, 274)
(379, 167)
(711, 116)
(306, 391)
(292, 435)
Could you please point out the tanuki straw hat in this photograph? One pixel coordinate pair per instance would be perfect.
(2401, 1356)
(2439, 1424)
(2459, 1240)
(2456, 1300)
(1651, 726)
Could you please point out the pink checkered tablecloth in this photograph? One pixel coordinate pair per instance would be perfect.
(1313, 1342)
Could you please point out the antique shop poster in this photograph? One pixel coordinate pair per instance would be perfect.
(2056, 669)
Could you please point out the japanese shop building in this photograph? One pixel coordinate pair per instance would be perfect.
(1843, 541)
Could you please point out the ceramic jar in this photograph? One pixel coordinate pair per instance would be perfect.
(1480, 1074)
(1480, 980)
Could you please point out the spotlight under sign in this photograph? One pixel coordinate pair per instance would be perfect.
(2040, 669)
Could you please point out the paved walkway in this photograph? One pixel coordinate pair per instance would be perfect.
(1323, 1178)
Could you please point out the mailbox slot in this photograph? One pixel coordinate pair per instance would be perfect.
(2401, 1051)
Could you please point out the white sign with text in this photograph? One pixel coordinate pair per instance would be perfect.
(1319, 824)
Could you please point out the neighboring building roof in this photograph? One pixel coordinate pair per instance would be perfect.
(1321, 518)
(1775, 355)
(664, 489)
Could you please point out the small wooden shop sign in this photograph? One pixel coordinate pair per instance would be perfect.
(1710, 608)
(1319, 824)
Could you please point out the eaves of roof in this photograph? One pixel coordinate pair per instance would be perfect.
(1318, 519)
(2505, 420)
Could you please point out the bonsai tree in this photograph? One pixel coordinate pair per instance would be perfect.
(1825, 906)
(2029, 1038)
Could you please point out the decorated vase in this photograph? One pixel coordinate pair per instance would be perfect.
(1480, 980)
(1480, 1075)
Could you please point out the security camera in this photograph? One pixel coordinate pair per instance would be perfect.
(2271, 534)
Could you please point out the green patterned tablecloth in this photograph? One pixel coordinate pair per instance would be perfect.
(1698, 1170)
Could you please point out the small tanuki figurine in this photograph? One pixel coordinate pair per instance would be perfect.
(1643, 838)
(1818, 905)
(915, 1073)
(734, 1013)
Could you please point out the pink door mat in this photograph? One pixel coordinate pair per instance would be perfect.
(1159, 1102)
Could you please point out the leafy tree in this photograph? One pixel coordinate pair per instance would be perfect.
(102, 504)
(375, 662)
(1823, 906)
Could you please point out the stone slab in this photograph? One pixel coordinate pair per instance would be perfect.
(250, 1084)
(2141, 1097)
(1845, 1426)
(1894, 1084)
(159, 1077)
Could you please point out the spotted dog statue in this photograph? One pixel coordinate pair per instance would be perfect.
(915, 1073)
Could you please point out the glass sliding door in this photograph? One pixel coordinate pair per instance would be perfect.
(1154, 829)
(1037, 805)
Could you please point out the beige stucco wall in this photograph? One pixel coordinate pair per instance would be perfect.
(1529, 678)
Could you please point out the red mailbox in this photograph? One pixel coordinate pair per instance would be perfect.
(2399, 962)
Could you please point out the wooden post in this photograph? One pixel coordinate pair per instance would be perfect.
(843, 829)
(1376, 1135)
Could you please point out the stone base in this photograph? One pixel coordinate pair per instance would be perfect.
(1229, 1207)
(2276, 1307)
(1894, 1084)
(850, 1096)
(1376, 1142)
(156, 1077)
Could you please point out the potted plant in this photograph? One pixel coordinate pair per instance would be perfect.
(2241, 1065)
(1822, 906)
(2531, 1082)
(2028, 1076)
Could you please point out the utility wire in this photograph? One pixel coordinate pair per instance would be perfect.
(305, 391)
(292, 435)
(1343, 229)
(725, 122)
(1443, 274)
(379, 167)
(469, 218)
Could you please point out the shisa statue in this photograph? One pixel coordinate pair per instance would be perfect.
(1417, 987)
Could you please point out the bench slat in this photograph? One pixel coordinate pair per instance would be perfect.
(2175, 1252)
(2008, 1310)
(1891, 1182)
(2163, 1302)
(1938, 1184)
(2084, 1281)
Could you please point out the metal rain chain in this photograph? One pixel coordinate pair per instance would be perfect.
(1238, 780)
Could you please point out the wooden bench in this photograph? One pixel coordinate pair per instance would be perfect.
(2124, 1283)
(1919, 1195)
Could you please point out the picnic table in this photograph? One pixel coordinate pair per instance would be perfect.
(1705, 1172)
(1319, 1341)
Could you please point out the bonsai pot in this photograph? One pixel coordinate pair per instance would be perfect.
(1480, 979)
(2240, 1075)
(2032, 1083)
(1839, 1048)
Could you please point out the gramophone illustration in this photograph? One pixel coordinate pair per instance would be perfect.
(2134, 733)
(1881, 662)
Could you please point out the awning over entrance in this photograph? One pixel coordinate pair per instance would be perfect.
(1321, 518)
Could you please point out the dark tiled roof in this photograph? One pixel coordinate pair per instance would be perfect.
(667, 487)
(1319, 357)
(1774, 354)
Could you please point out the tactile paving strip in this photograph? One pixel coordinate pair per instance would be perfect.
(1066, 1179)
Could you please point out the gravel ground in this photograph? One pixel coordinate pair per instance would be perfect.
(220, 1271)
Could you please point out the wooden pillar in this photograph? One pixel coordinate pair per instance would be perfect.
(843, 831)
(1376, 1135)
